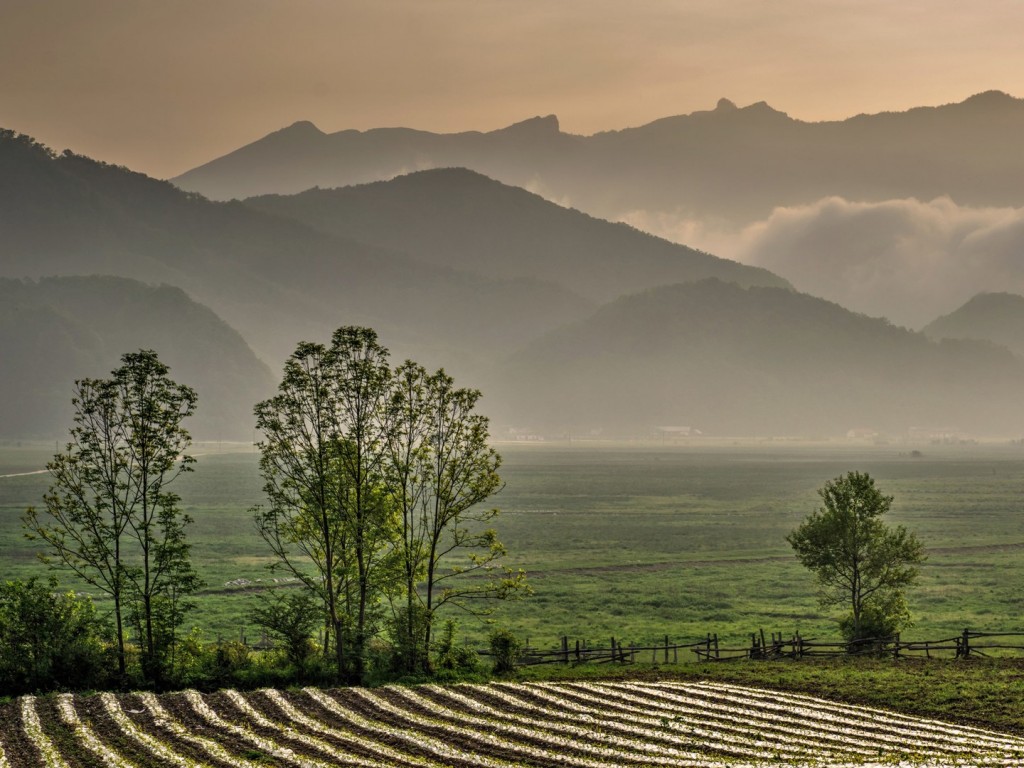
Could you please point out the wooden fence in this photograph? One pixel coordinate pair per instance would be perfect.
(965, 645)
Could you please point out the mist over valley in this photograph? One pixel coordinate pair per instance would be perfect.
(571, 324)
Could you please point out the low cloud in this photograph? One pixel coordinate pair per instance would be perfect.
(907, 260)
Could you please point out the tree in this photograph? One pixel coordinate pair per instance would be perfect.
(328, 519)
(304, 485)
(462, 473)
(439, 469)
(291, 619)
(373, 477)
(111, 519)
(858, 560)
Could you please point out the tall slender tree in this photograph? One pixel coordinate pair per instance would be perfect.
(110, 518)
(462, 474)
(300, 460)
(406, 473)
(362, 376)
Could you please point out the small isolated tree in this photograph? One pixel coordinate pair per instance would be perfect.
(109, 516)
(859, 561)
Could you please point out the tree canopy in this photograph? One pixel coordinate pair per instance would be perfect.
(859, 561)
(373, 479)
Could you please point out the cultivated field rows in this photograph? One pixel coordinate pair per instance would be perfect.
(501, 725)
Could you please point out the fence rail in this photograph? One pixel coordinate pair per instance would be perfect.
(965, 645)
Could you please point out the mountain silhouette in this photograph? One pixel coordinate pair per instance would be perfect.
(729, 360)
(993, 317)
(733, 164)
(459, 219)
(60, 329)
(276, 280)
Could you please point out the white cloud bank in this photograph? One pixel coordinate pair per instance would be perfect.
(907, 260)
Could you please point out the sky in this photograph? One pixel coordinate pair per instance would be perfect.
(163, 86)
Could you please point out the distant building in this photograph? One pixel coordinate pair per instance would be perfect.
(668, 433)
(524, 435)
(862, 433)
(936, 435)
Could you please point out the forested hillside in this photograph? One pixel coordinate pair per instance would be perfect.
(57, 330)
(758, 361)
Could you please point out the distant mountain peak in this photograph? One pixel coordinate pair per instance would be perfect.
(991, 98)
(725, 105)
(301, 129)
(534, 126)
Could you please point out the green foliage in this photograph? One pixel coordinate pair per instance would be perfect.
(291, 618)
(451, 659)
(857, 559)
(109, 517)
(48, 640)
(374, 479)
(505, 649)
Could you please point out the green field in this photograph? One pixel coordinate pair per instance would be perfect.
(640, 542)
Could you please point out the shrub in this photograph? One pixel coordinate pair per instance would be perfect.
(505, 648)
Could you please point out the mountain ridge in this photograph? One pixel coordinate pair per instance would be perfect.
(734, 361)
(995, 317)
(67, 328)
(734, 163)
(461, 219)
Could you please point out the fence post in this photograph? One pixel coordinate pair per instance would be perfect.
(666, 649)
(966, 644)
(577, 651)
(565, 649)
(896, 647)
(717, 656)
(613, 648)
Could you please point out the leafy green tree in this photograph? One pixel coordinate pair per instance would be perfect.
(462, 473)
(109, 515)
(48, 640)
(301, 466)
(328, 521)
(858, 560)
(362, 376)
(406, 474)
(374, 478)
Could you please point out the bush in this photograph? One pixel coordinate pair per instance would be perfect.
(48, 640)
(505, 648)
(290, 618)
(454, 661)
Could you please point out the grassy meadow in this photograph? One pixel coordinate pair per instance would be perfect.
(640, 542)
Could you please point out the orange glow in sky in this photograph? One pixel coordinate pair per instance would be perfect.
(164, 86)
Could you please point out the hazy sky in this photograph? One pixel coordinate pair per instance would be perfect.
(164, 85)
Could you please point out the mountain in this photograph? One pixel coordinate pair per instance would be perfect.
(731, 164)
(755, 361)
(993, 317)
(274, 279)
(459, 219)
(301, 156)
(60, 329)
